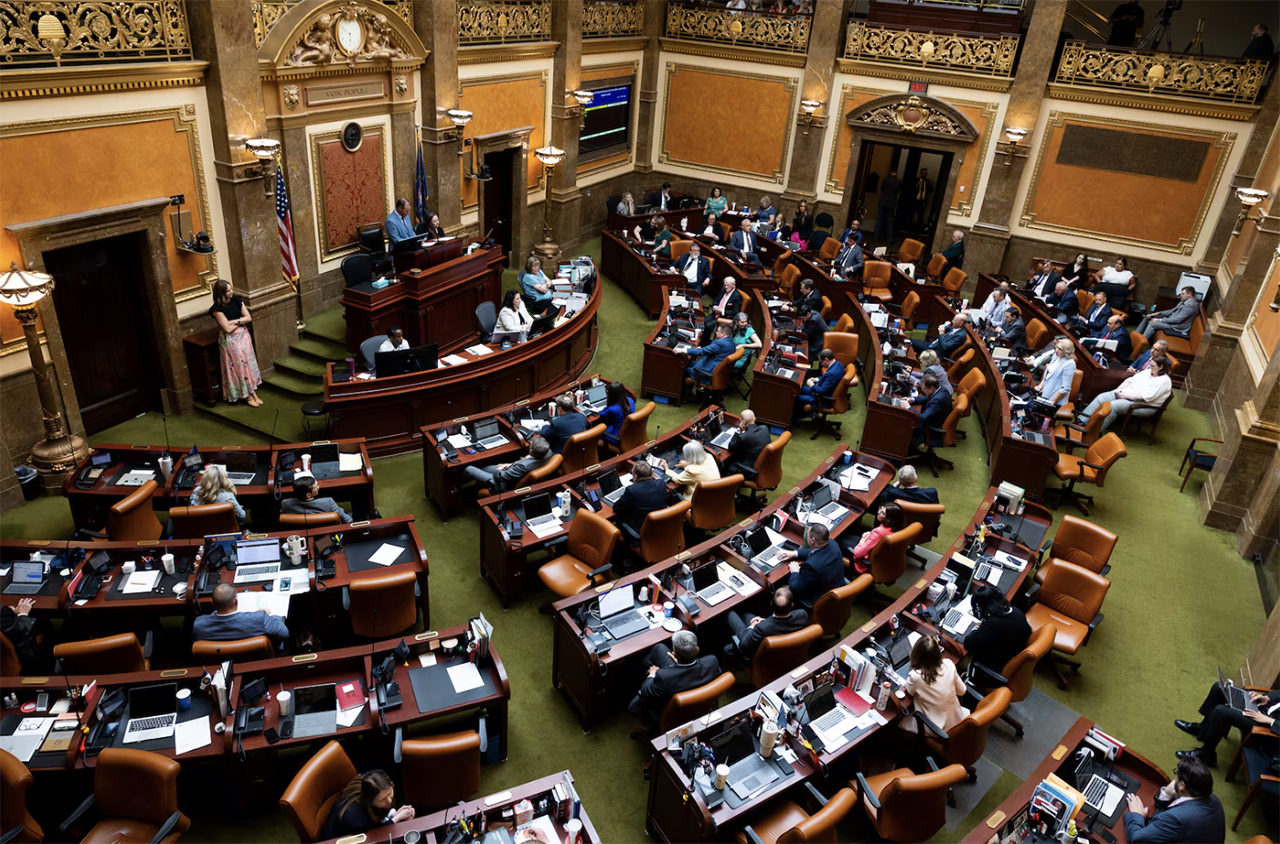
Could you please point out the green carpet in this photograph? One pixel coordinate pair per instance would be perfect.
(1149, 662)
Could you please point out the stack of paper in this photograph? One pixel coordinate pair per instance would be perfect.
(462, 440)
(141, 581)
(1009, 561)
(543, 531)
(350, 462)
(387, 554)
(191, 735)
(479, 349)
(453, 360)
(464, 677)
(274, 602)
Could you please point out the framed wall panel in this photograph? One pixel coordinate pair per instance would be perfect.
(350, 188)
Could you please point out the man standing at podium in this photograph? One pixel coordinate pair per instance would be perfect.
(398, 225)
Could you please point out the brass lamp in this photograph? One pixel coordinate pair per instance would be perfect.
(548, 250)
(584, 99)
(266, 150)
(460, 117)
(807, 108)
(1014, 134)
(59, 451)
(1250, 197)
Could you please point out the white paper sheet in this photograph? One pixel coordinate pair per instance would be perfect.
(426, 660)
(1009, 561)
(464, 677)
(277, 603)
(349, 462)
(452, 360)
(23, 747)
(459, 440)
(534, 425)
(387, 554)
(191, 735)
(347, 717)
(543, 531)
(137, 477)
(142, 581)
(479, 349)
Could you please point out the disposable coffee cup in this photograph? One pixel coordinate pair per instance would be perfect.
(184, 698)
(573, 831)
(722, 776)
(167, 561)
(768, 738)
(412, 837)
(285, 701)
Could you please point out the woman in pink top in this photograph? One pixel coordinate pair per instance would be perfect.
(889, 519)
(935, 686)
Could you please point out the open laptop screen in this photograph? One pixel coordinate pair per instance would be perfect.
(616, 600)
(150, 701)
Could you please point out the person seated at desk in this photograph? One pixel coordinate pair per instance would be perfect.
(849, 261)
(1151, 387)
(617, 407)
(503, 477)
(717, 203)
(816, 569)
(1002, 630)
(1055, 384)
(854, 231)
(627, 205)
(814, 327)
(567, 422)
(991, 314)
(858, 548)
(1117, 282)
(750, 630)
(1064, 301)
(1012, 333)
(395, 341)
(1113, 330)
(935, 687)
(1043, 283)
(1075, 273)
(17, 625)
(696, 467)
(1219, 717)
(535, 287)
(743, 334)
(215, 487)
(670, 671)
(726, 306)
(909, 489)
(1185, 810)
(823, 224)
(748, 441)
(711, 229)
(807, 295)
(514, 318)
(830, 371)
(1096, 317)
(1159, 349)
(431, 229)
(644, 495)
(950, 338)
(398, 225)
(954, 254)
(226, 623)
(695, 268)
(662, 200)
(934, 407)
(365, 804)
(1176, 322)
(744, 242)
(306, 490)
(663, 236)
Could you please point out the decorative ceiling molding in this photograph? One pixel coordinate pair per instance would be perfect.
(326, 35)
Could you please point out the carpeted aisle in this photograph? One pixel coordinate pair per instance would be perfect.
(1181, 603)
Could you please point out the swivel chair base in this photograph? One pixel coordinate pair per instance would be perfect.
(1068, 494)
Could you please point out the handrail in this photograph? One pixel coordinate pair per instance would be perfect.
(1220, 78)
(1106, 20)
(1090, 28)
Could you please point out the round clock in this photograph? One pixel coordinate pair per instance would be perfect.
(350, 33)
(352, 136)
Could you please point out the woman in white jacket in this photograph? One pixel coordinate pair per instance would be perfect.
(935, 687)
(513, 318)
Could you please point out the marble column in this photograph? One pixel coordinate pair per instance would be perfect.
(436, 22)
(297, 180)
(222, 34)
(988, 240)
(564, 200)
(655, 16)
(825, 38)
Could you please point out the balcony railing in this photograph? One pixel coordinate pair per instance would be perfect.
(786, 33)
(267, 12)
(612, 20)
(503, 21)
(988, 55)
(60, 33)
(1217, 78)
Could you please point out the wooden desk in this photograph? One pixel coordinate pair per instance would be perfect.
(392, 411)
(888, 429)
(662, 367)
(773, 395)
(52, 596)
(697, 217)
(633, 273)
(433, 297)
(355, 486)
(350, 566)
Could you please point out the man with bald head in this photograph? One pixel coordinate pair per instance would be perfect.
(746, 445)
(950, 337)
(227, 623)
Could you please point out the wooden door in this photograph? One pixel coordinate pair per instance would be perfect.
(499, 199)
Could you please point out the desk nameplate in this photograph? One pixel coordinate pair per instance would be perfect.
(997, 818)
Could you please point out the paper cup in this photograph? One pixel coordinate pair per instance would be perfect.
(573, 831)
(184, 698)
(412, 837)
(768, 738)
(722, 776)
(166, 560)
(285, 701)
(129, 567)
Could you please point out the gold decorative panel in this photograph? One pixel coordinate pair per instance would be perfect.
(744, 29)
(267, 12)
(612, 20)
(500, 21)
(350, 189)
(1181, 75)
(55, 33)
(991, 55)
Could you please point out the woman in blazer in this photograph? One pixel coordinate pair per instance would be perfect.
(696, 467)
(618, 406)
(513, 318)
(935, 687)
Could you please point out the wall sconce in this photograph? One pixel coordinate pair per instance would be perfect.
(1155, 75)
(1249, 197)
(1013, 148)
(266, 150)
(927, 49)
(583, 99)
(548, 250)
(460, 118)
(807, 108)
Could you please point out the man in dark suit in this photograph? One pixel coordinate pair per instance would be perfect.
(1260, 45)
(671, 671)
(1096, 317)
(954, 253)
(707, 358)
(1064, 301)
(808, 295)
(816, 569)
(746, 445)
(1114, 330)
(662, 200)
(934, 404)
(727, 304)
(1012, 333)
(1185, 810)
(645, 495)
(695, 268)
(1158, 349)
(814, 328)
(1043, 283)
(824, 384)
(950, 339)
(567, 422)
(849, 260)
(744, 242)
(908, 489)
(1219, 718)
(920, 198)
(507, 476)
(750, 630)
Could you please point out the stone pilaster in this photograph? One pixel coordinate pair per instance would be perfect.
(436, 22)
(564, 200)
(655, 16)
(825, 38)
(404, 153)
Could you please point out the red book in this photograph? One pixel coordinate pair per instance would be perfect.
(350, 694)
(854, 702)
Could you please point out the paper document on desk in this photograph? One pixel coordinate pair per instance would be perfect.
(191, 735)
(459, 440)
(141, 581)
(543, 531)
(534, 425)
(137, 477)
(1009, 561)
(880, 319)
(350, 462)
(479, 349)
(464, 677)
(274, 602)
(387, 554)
(347, 717)
(23, 747)
(452, 360)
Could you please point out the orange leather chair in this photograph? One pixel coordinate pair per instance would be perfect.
(779, 264)
(786, 282)
(875, 280)
(241, 650)
(131, 519)
(831, 611)
(634, 431)
(776, 655)
(721, 376)
(1084, 435)
(591, 542)
(905, 806)
(661, 535)
(11, 664)
(1070, 600)
(1138, 343)
(768, 468)
(837, 405)
(136, 793)
(909, 304)
(826, 307)
(965, 741)
(1068, 408)
(15, 780)
(910, 251)
(694, 703)
(844, 324)
(541, 473)
(441, 770)
(844, 345)
(713, 503)
(829, 249)
(928, 516)
(204, 520)
(679, 248)
(961, 366)
(1037, 334)
(888, 559)
(954, 280)
(936, 264)
(783, 821)
(302, 521)
(394, 595)
(581, 450)
(118, 654)
(1090, 469)
(1080, 542)
(310, 797)
(973, 381)
(950, 427)
(1018, 674)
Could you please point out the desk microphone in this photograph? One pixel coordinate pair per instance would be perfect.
(275, 423)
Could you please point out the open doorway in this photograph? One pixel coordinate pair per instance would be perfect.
(499, 200)
(900, 192)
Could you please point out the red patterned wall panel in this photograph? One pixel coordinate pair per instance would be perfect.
(353, 191)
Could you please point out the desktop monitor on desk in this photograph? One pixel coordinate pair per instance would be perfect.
(417, 359)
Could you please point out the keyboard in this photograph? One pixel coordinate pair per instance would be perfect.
(830, 721)
(832, 510)
(146, 729)
(715, 593)
(240, 478)
(768, 559)
(492, 442)
(723, 440)
(315, 724)
(1102, 795)
(543, 520)
(1238, 699)
(262, 571)
(952, 619)
(624, 624)
(612, 498)
(23, 588)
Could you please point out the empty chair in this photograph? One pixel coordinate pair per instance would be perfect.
(1018, 674)
(136, 795)
(441, 770)
(928, 516)
(964, 742)
(826, 307)
(634, 431)
(203, 520)
(961, 366)
(374, 244)
(301, 521)
(936, 265)
(1090, 469)
(589, 555)
(15, 781)
(844, 324)
(768, 467)
(973, 381)
(831, 610)
(954, 280)
(1037, 334)
(661, 535)
(875, 280)
(1080, 542)
(909, 304)
(776, 655)
(314, 789)
(241, 650)
(910, 251)
(845, 346)
(1197, 458)
(357, 269)
(1070, 600)
(118, 654)
(829, 249)
(694, 703)
(905, 806)
(783, 821)
(786, 282)
(131, 519)
(582, 450)
(382, 605)
(712, 503)
(1070, 434)
(486, 318)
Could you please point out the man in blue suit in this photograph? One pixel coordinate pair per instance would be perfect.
(745, 243)
(1185, 810)
(1094, 319)
(908, 489)
(1065, 302)
(708, 357)
(568, 421)
(226, 623)
(1158, 349)
(815, 569)
(398, 225)
(934, 403)
(695, 268)
(824, 384)
(645, 495)
(1114, 330)
(951, 338)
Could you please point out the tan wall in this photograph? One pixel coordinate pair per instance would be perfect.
(1267, 321)
(499, 105)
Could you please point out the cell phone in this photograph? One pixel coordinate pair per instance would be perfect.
(42, 702)
(285, 583)
(271, 735)
(286, 728)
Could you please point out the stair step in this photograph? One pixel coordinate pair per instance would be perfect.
(302, 366)
(320, 349)
(305, 388)
(328, 325)
(262, 420)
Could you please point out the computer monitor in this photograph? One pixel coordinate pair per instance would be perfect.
(417, 359)
(152, 701)
(542, 324)
(409, 244)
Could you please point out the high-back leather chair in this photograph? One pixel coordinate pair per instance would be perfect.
(928, 516)
(207, 651)
(10, 662)
(1090, 469)
(662, 533)
(970, 384)
(783, 821)
(961, 366)
(1070, 434)
(310, 797)
(369, 351)
(302, 521)
(394, 597)
(441, 770)
(910, 251)
(826, 307)
(1138, 343)
(15, 781)
(838, 405)
(936, 265)
(909, 304)
(582, 450)
(905, 806)
(1081, 542)
(118, 654)
(679, 248)
(722, 375)
(875, 280)
(786, 282)
(136, 794)
(357, 269)
(1067, 410)
(954, 280)
(888, 559)
(844, 345)
(1070, 600)
(589, 554)
(694, 703)
(1018, 674)
(965, 741)
(844, 323)
(831, 611)
(131, 519)
(538, 474)
(203, 520)
(634, 431)
(713, 503)
(768, 466)
(1037, 334)
(779, 264)
(776, 655)
(829, 249)
(950, 430)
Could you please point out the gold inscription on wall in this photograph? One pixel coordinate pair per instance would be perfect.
(328, 94)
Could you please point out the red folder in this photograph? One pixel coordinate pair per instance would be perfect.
(350, 694)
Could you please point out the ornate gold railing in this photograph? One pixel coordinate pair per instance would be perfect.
(499, 21)
(57, 33)
(989, 55)
(788, 34)
(977, 5)
(267, 12)
(1202, 77)
(610, 20)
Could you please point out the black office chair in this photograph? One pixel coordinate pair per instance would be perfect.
(611, 204)
(374, 244)
(369, 351)
(357, 269)
(487, 316)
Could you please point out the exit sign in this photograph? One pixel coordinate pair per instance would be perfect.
(918, 88)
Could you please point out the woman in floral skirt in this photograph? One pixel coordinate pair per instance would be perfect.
(240, 376)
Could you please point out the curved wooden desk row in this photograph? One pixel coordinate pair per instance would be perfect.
(773, 394)
(696, 217)
(677, 810)
(284, 673)
(594, 683)
(391, 412)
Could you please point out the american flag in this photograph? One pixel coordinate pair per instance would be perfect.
(288, 256)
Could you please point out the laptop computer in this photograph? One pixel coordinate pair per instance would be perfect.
(723, 438)
(596, 397)
(1237, 698)
(823, 503)
(611, 487)
(748, 773)
(827, 717)
(315, 710)
(618, 614)
(764, 551)
(153, 710)
(242, 468)
(28, 578)
(537, 511)
(708, 587)
(487, 434)
(257, 560)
